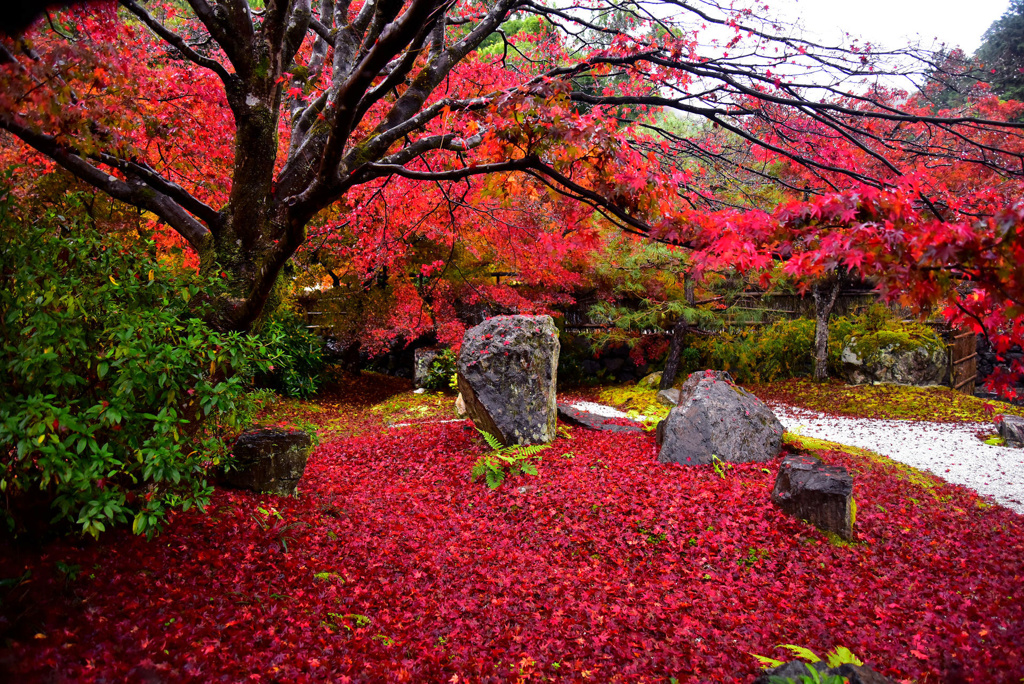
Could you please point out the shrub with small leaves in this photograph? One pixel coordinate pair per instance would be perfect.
(116, 397)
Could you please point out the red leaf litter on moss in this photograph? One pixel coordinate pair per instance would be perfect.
(391, 567)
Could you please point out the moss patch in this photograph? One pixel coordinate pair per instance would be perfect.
(636, 400)
(936, 404)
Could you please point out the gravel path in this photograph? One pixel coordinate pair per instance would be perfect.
(950, 451)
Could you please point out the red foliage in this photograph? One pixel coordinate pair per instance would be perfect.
(391, 566)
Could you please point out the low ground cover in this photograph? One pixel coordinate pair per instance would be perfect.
(391, 566)
(935, 404)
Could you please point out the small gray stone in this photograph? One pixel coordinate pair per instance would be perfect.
(593, 421)
(508, 368)
(650, 381)
(1011, 429)
(269, 460)
(460, 407)
(822, 495)
(668, 397)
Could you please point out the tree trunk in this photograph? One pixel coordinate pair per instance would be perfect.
(825, 294)
(675, 352)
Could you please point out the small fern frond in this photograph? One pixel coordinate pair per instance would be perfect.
(841, 656)
(491, 440)
(767, 662)
(801, 652)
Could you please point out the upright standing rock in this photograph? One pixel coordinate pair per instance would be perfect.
(820, 494)
(508, 368)
(717, 419)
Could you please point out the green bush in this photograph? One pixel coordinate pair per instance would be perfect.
(296, 356)
(782, 350)
(785, 349)
(442, 368)
(116, 397)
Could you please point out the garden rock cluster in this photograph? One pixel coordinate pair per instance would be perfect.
(898, 362)
(1011, 429)
(269, 460)
(807, 489)
(796, 671)
(508, 368)
(715, 418)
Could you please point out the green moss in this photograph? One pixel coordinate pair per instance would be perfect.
(636, 399)
(909, 337)
(936, 404)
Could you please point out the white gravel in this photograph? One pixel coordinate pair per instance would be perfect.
(949, 451)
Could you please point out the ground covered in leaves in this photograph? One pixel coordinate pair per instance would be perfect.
(391, 566)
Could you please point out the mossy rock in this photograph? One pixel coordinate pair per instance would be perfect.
(912, 356)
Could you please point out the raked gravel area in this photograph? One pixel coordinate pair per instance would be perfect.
(951, 451)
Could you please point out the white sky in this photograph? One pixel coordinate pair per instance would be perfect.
(892, 23)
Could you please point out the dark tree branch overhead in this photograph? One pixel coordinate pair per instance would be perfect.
(367, 94)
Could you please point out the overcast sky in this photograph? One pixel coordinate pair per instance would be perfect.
(891, 23)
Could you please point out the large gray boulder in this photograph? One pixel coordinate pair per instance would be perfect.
(900, 363)
(269, 460)
(822, 495)
(1011, 429)
(715, 417)
(508, 367)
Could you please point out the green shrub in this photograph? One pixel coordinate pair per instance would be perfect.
(295, 354)
(785, 349)
(442, 368)
(116, 397)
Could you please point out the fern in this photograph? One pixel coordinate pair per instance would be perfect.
(841, 656)
(505, 461)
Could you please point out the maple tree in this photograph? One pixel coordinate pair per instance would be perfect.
(307, 113)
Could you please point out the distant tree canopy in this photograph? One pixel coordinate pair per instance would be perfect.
(1002, 53)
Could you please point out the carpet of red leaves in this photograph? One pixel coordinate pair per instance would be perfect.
(391, 566)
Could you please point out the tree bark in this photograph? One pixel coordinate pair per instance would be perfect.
(675, 350)
(825, 293)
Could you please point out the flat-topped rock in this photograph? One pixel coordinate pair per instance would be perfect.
(807, 489)
(593, 421)
(269, 460)
(1011, 429)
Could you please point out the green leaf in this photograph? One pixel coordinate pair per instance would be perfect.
(101, 369)
(801, 652)
(767, 662)
(841, 656)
